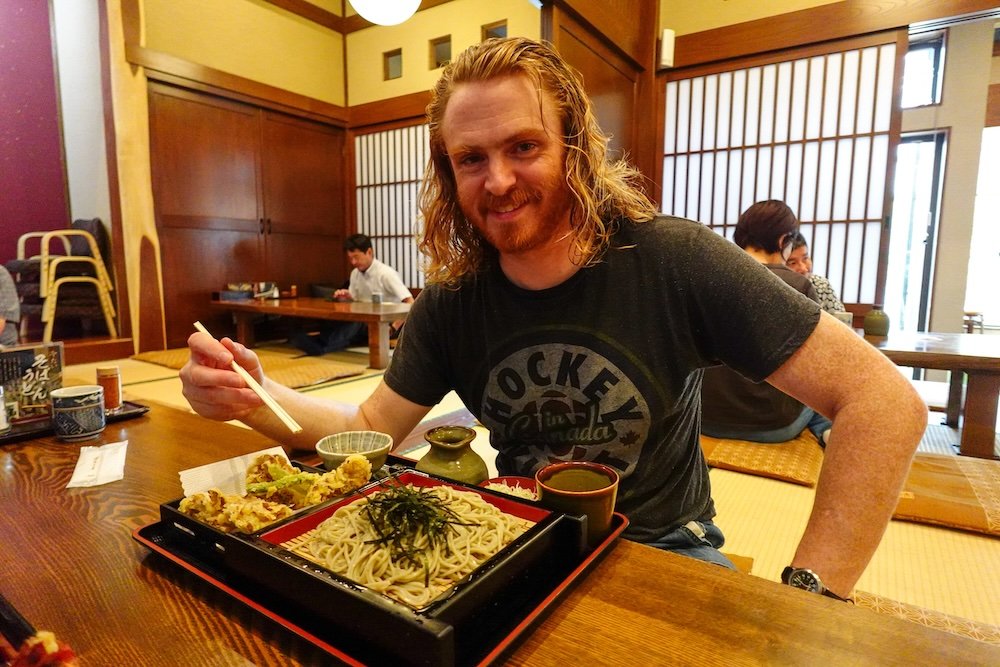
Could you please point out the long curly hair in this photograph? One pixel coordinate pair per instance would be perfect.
(604, 192)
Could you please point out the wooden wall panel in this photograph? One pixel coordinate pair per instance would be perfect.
(993, 106)
(621, 87)
(625, 24)
(241, 194)
(611, 83)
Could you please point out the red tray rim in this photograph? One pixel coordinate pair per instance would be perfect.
(619, 524)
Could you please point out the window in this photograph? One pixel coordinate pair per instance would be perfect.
(922, 70)
(812, 131)
(984, 260)
(497, 29)
(916, 208)
(389, 166)
(440, 51)
(392, 64)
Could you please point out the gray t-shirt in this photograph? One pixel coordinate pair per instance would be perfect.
(608, 365)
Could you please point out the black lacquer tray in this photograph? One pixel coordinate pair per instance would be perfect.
(476, 624)
(36, 428)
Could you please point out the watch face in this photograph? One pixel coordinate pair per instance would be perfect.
(804, 579)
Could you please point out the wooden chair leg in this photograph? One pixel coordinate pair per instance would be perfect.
(51, 303)
(109, 310)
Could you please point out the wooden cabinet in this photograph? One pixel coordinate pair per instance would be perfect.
(240, 194)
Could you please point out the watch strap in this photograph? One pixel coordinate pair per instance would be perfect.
(830, 594)
(786, 577)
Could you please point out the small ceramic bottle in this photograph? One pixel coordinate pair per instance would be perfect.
(452, 456)
(876, 322)
(110, 378)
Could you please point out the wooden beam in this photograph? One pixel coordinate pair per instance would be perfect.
(178, 71)
(395, 109)
(819, 24)
(311, 12)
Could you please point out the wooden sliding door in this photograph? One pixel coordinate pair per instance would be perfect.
(817, 128)
(241, 194)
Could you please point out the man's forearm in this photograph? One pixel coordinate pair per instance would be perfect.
(878, 420)
(865, 465)
(317, 417)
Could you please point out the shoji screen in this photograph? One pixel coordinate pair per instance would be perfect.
(816, 132)
(388, 168)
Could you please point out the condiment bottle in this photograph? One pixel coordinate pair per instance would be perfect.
(110, 378)
(876, 322)
(451, 455)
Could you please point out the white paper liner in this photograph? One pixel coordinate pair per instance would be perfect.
(229, 476)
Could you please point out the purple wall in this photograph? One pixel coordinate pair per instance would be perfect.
(33, 190)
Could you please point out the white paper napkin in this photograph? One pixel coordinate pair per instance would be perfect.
(228, 476)
(99, 465)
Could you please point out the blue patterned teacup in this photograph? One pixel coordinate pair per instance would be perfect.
(78, 412)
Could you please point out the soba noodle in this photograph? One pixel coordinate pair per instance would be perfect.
(344, 543)
(512, 490)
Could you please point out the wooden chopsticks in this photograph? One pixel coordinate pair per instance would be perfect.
(292, 425)
(14, 627)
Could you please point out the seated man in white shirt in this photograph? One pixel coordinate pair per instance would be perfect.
(370, 276)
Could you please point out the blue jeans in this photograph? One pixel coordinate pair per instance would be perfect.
(808, 418)
(696, 539)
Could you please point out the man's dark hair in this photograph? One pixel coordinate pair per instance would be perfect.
(764, 224)
(798, 241)
(360, 242)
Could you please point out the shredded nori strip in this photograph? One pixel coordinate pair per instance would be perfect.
(400, 513)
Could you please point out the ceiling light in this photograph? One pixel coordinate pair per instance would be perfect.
(385, 12)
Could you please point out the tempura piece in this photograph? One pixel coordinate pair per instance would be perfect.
(252, 514)
(274, 490)
(205, 506)
(349, 476)
(291, 490)
(231, 512)
(267, 468)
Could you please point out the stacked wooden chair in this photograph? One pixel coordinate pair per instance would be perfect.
(67, 277)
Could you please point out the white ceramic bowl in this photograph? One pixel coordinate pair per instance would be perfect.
(375, 446)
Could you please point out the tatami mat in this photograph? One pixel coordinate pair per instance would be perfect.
(132, 372)
(950, 571)
(940, 569)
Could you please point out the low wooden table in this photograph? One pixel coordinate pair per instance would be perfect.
(974, 356)
(376, 316)
(72, 567)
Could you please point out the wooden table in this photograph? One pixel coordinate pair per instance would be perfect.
(972, 356)
(72, 567)
(376, 316)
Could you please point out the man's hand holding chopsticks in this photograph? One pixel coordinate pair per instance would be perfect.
(211, 385)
